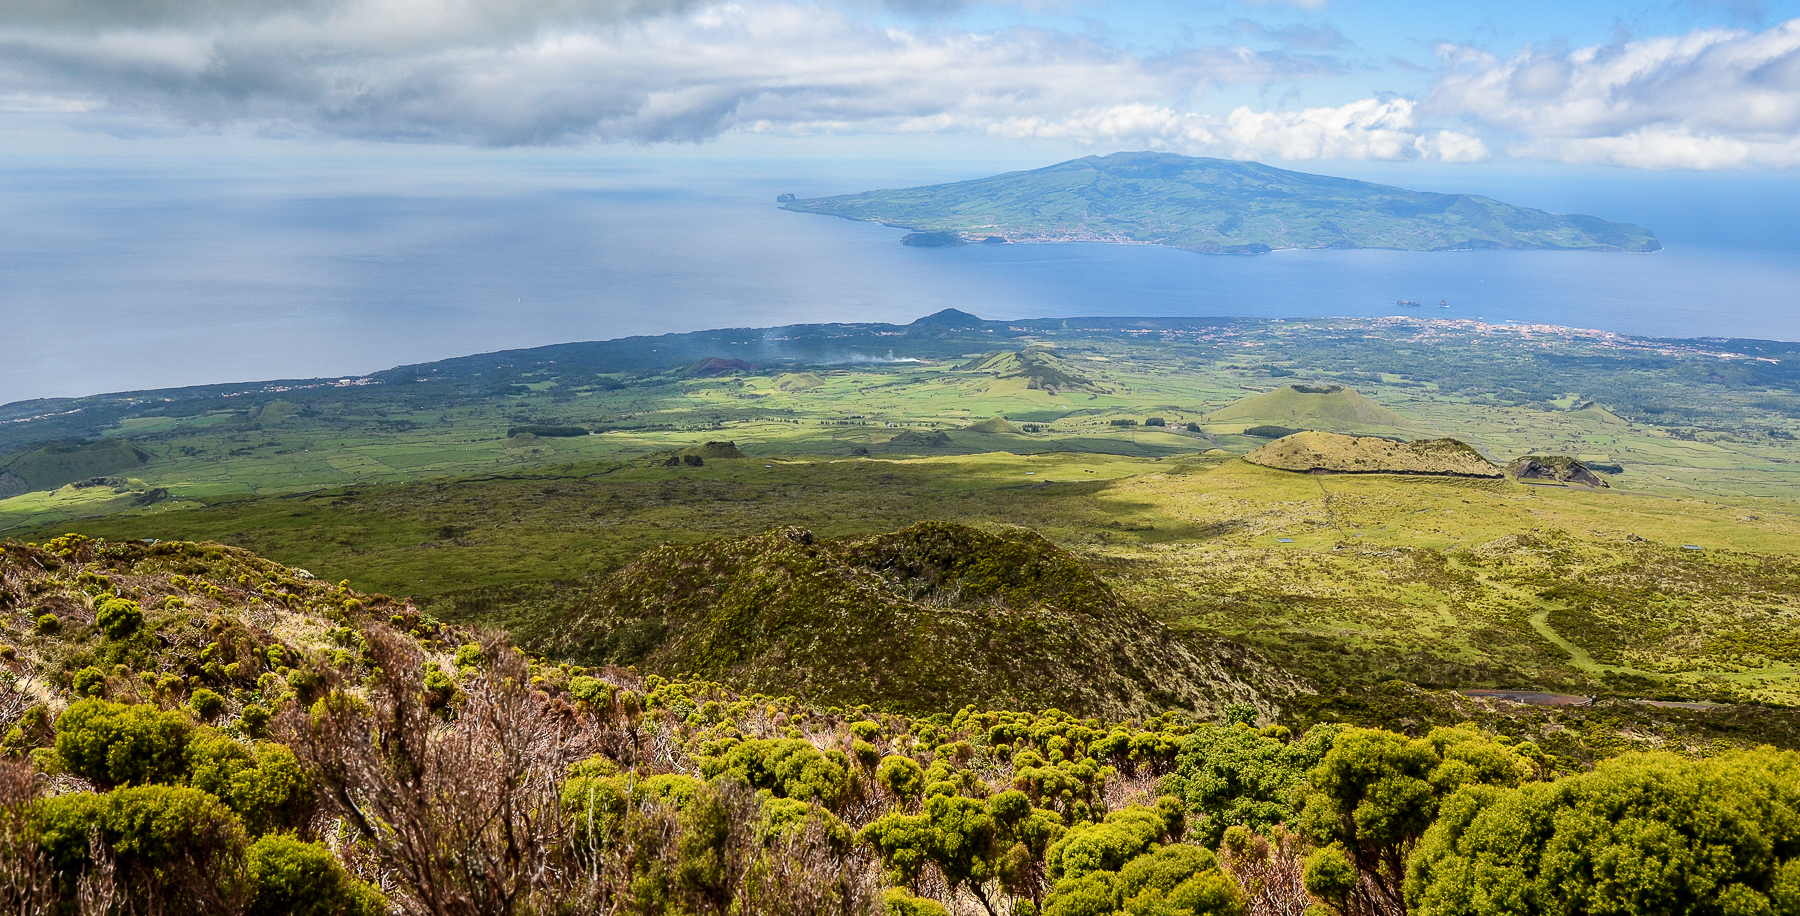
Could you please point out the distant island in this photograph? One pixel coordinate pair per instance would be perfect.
(1218, 206)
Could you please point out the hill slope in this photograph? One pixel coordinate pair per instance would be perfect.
(1331, 408)
(1328, 452)
(1220, 206)
(936, 615)
(50, 466)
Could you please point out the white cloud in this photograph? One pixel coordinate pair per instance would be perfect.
(550, 71)
(1366, 129)
(1707, 99)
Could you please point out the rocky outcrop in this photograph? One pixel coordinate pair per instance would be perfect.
(1559, 468)
(1329, 453)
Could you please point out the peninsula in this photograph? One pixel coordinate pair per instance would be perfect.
(1219, 206)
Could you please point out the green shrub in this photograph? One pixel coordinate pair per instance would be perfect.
(1176, 880)
(1330, 877)
(206, 704)
(866, 754)
(306, 683)
(901, 903)
(440, 688)
(969, 841)
(164, 838)
(786, 818)
(1236, 776)
(48, 624)
(89, 682)
(1155, 421)
(110, 744)
(591, 690)
(1639, 834)
(119, 617)
(597, 800)
(901, 775)
(255, 721)
(1375, 793)
(786, 767)
(33, 730)
(294, 878)
(265, 787)
(468, 656)
(1108, 845)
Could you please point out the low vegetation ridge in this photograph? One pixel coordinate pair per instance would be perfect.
(1218, 206)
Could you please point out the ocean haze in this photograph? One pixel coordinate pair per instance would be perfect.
(117, 275)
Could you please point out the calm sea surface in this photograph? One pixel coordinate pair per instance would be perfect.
(119, 276)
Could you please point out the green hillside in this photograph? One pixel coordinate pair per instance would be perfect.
(50, 466)
(998, 425)
(1221, 207)
(1040, 368)
(1329, 408)
(934, 616)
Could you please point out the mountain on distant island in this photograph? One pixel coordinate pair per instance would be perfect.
(1219, 206)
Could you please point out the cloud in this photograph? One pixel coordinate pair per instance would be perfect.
(1308, 37)
(517, 72)
(420, 17)
(1303, 4)
(1366, 129)
(1709, 99)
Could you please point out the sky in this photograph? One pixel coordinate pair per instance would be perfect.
(1668, 84)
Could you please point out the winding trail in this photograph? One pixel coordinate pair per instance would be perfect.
(1578, 656)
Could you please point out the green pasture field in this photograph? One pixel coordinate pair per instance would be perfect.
(276, 447)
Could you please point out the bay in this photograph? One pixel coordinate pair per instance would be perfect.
(120, 275)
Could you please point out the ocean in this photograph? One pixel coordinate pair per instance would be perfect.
(119, 274)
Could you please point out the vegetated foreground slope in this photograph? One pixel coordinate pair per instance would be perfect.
(190, 728)
(934, 616)
(1335, 454)
(1221, 206)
